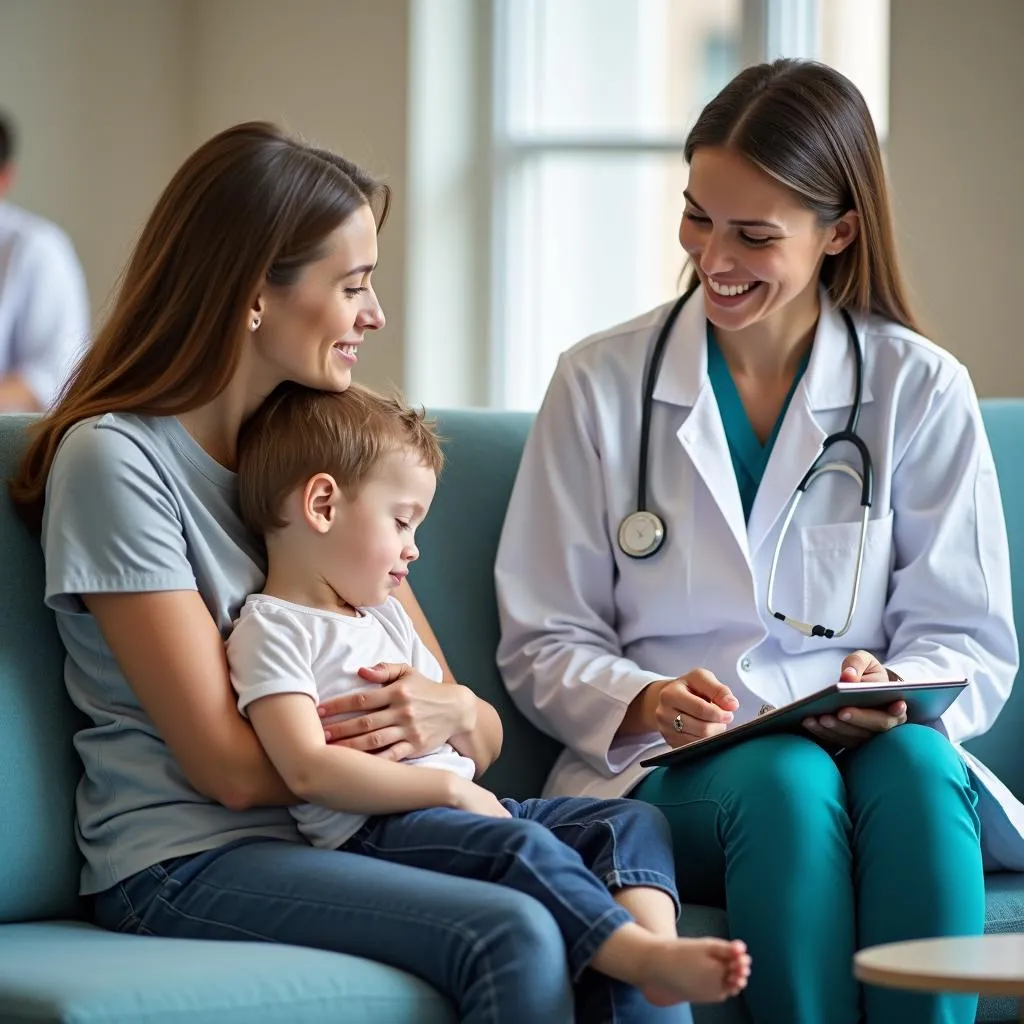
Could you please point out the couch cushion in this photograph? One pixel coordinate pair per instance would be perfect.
(1004, 912)
(453, 578)
(39, 862)
(1004, 903)
(64, 971)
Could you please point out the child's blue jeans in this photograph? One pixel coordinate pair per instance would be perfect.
(568, 853)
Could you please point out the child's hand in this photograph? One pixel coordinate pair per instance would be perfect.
(468, 796)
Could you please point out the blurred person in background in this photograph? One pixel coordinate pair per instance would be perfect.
(44, 307)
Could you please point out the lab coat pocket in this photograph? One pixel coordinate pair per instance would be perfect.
(829, 566)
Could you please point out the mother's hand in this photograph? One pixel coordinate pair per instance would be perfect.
(406, 716)
(854, 726)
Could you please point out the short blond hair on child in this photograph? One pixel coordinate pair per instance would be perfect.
(299, 432)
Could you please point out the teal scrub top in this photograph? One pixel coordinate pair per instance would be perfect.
(749, 456)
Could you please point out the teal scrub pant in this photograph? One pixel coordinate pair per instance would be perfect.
(815, 857)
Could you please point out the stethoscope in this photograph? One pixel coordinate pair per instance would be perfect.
(642, 532)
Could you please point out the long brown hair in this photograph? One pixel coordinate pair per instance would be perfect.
(249, 206)
(808, 127)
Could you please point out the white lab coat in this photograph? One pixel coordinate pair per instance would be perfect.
(585, 628)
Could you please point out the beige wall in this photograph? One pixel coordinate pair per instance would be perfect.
(111, 95)
(96, 89)
(956, 157)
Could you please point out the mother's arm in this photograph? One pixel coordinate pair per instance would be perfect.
(172, 655)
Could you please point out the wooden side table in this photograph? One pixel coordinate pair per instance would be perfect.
(989, 965)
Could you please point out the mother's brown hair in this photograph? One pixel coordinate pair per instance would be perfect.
(249, 206)
(808, 127)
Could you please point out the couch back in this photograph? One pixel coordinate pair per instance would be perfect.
(39, 861)
(1000, 748)
(453, 580)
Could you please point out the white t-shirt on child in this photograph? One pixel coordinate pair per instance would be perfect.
(280, 647)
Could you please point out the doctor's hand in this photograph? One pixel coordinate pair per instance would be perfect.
(854, 726)
(863, 667)
(692, 707)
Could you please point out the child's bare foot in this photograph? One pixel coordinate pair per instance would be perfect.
(695, 971)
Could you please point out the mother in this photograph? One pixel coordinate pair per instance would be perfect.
(254, 268)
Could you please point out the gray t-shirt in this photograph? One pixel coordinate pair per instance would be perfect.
(133, 504)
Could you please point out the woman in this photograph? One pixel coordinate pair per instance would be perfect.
(254, 268)
(787, 227)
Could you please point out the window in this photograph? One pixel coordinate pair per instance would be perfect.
(591, 101)
(546, 173)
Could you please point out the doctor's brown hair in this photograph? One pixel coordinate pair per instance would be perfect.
(299, 432)
(248, 207)
(807, 126)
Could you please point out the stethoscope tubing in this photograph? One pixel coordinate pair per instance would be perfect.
(849, 435)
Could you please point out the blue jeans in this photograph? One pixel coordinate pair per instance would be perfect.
(566, 853)
(498, 954)
(814, 858)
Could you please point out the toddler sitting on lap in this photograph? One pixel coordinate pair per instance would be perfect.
(337, 484)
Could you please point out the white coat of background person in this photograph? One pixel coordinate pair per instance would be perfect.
(619, 657)
(44, 306)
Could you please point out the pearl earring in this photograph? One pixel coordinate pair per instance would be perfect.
(254, 324)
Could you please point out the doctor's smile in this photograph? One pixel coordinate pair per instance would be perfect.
(726, 289)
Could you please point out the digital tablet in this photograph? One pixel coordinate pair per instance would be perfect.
(925, 703)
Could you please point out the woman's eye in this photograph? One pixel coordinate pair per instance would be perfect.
(353, 292)
(402, 524)
(749, 240)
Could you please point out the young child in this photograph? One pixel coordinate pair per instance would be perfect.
(337, 484)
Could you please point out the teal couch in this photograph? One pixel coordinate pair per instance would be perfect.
(56, 967)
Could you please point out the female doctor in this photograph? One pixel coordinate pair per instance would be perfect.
(621, 641)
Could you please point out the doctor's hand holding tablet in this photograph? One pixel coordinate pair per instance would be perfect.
(853, 726)
(723, 506)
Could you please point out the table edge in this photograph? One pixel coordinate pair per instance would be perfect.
(922, 982)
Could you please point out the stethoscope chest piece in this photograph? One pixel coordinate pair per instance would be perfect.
(641, 534)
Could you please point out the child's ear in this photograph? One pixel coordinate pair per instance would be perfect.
(319, 501)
